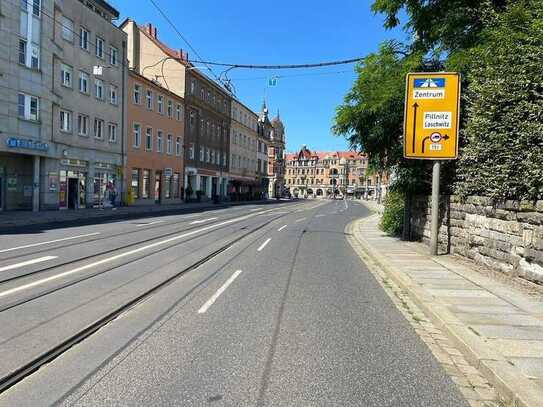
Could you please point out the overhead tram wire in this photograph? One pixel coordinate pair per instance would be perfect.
(185, 40)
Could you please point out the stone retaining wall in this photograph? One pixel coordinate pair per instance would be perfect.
(506, 236)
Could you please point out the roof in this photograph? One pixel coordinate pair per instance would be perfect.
(108, 7)
(321, 155)
(142, 78)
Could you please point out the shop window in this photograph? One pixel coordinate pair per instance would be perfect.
(175, 185)
(167, 186)
(146, 184)
(135, 183)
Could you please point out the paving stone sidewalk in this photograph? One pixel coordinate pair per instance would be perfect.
(498, 330)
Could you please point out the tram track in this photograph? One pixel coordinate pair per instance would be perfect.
(113, 249)
(10, 379)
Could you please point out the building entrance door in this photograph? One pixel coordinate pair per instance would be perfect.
(73, 195)
(158, 186)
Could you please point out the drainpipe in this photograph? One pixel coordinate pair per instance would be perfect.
(123, 119)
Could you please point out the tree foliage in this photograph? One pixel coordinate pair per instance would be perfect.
(442, 25)
(503, 132)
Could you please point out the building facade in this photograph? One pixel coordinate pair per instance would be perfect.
(264, 131)
(207, 108)
(332, 174)
(60, 120)
(276, 158)
(154, 162)
(90, 115)
(243, 153)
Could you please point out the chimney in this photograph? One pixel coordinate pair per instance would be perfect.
(151, 30)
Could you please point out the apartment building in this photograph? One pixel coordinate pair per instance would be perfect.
(243, 152)
(60, 118)
(335, 173)
(155, 161)
(276, 158)
(27, 150)
(89, 114)
(208, 108)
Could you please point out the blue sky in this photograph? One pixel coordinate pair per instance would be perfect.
(279, 32)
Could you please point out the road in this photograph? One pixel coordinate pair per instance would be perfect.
(259, 305)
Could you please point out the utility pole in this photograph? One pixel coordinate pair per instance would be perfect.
(434, 237)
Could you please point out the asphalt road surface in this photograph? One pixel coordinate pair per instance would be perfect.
(265, 305)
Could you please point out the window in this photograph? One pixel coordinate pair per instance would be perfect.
(149, 139)
(22, 52)
(178, 112)
(66, 74)
(82, 125)
(192, 86)
(99, 89)
(135, 183)
(67, 28)
(113, 92)
(112, 132)
(99, 129)
(170, 145)
(202, 153)
(191, 151)
(202, 93)
(149, 99)
(84, 38)
(99, 47)
(65, 121)
(159, 141)
(178, 146)
(208, 155)
(137, 94)
(83, 82)
(113, 56)
(146, 184)
(137, 135)
(160, 103)
(192, 119)
(170, 109)
(175, 184)
(36, 7)
(28, 107)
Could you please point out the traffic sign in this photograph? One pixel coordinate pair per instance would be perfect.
(431, 116)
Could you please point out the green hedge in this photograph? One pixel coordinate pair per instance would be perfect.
(392, 219)
(502, 156)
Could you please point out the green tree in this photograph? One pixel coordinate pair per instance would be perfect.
(439, 25)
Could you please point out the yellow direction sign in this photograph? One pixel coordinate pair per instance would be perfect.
(431, 117)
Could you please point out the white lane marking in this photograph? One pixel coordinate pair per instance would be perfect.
(28, 263)
(217, 294)
(150, 223)
(281, 228)
(50, 241)
(197, 222)
(320, 216)
(346, 205)
(301, 219)
(263, 245)
(121, 255)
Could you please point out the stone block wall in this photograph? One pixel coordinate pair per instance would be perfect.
(506, 236)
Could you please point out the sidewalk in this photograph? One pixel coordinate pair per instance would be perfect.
(24, 218)
(498, 330)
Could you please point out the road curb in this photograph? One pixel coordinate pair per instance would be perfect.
(506, 378)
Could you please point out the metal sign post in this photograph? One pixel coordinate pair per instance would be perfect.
(431, 123)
